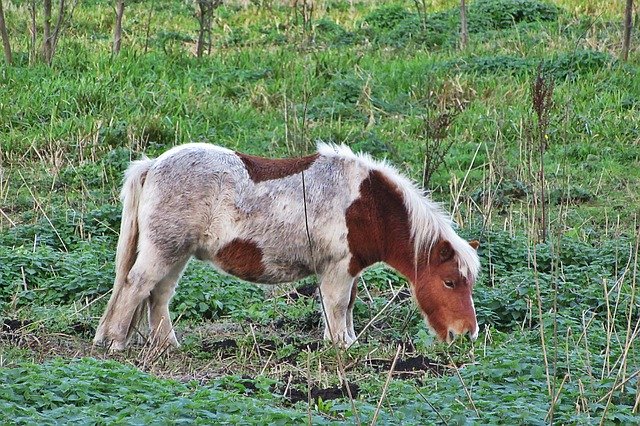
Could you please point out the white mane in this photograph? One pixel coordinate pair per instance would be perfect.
(428, 221)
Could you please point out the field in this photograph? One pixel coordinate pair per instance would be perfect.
(529, 136)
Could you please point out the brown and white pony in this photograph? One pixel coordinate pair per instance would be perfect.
(333, 214)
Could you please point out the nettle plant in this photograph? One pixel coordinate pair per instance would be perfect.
(569, 274)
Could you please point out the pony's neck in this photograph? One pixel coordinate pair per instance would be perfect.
(379, 227)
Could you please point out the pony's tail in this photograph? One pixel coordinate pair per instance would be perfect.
(127, 250)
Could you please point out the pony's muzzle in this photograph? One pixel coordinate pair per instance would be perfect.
(471, 332)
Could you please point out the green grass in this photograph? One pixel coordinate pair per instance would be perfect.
(559, 318)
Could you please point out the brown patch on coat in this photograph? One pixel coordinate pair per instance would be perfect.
(261, 169)
(378, 227)
(241, 258)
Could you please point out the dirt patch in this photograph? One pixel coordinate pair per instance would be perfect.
(83, 329)
(14, 326)
(12, 329)
(294, 395)
(403, 294)
(410, 367)
(227, 347)
(306, 290)
(308, 323)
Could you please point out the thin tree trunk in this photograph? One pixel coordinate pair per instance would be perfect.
(628, 24)
(46, 35)
(33, 33)
(202, 16)
(57, 29)
(148, 30)
(6, 45)
(464, 33)
(117, 29)
(205, 19)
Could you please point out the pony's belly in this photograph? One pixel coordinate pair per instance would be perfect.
(273, 275)
(285, 273)
(246, 259)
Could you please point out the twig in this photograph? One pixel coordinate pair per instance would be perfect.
(555, 398)
(466, 390)
(386, 386)
(430, 405)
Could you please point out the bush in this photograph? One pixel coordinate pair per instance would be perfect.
(500, 14)
(492, 64)
(387, 17)
(568, 66)
(329, 32)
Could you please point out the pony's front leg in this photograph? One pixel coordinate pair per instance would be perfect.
(335, 291)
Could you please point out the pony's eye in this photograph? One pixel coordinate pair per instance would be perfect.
(449, 284)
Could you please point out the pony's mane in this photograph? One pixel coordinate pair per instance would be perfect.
(428, 221)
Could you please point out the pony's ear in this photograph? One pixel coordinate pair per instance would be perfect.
(444, 251)
(475, 244)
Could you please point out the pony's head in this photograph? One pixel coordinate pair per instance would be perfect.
(443, 290)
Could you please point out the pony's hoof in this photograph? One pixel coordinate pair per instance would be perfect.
(110, 345)
(343, 341)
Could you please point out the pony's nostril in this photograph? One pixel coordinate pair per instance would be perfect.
(451, 335)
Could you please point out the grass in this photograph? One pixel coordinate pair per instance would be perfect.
(559, 318)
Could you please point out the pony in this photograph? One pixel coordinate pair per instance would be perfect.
(333, 214)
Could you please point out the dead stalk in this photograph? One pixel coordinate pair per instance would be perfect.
(309, 387)
(616, 387)
(431, 405)
(456, 203)
(628, 338)
(466, 390)
(255, 341)
(609, 326)
(386, 386)
(555, 398)
(372, 320)
(541, 319)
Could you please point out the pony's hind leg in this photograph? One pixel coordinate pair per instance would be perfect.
(335, 289)
(161, 328)
(148, 270)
